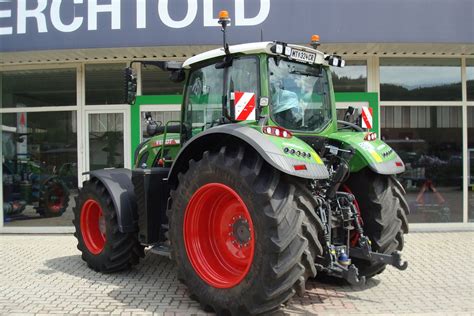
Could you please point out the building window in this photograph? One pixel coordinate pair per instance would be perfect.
(429, 140)
(35, 88)
(39, 165)
(156, 82)
(104, 84)
(470, 79)
(470, 155)
(420, 79)
(351, 78)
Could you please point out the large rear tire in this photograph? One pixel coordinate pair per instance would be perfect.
(384, 210)
(244, 236)
(104, 248)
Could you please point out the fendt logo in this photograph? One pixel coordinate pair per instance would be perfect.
(42, 16)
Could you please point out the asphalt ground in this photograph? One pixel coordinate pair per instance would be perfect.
(44, 274)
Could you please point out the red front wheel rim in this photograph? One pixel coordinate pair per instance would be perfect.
(219, 235)
(93, 226)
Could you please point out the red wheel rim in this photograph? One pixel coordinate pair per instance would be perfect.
(93, 226)
(219, 235)
(56, 199)
(355, 235)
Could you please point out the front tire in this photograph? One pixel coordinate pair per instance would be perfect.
(104, 248)
(384, 210)
(261, 267)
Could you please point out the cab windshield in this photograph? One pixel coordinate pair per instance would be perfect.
(300, 98)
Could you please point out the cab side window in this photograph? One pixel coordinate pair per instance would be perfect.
(204, 98)
(243, 76)
(206, 88)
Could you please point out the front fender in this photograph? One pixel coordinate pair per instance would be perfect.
(376, 154)
(118, 183)
(270, 148)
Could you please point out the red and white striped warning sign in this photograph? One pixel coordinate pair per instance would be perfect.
(244, 105)
(367, 117)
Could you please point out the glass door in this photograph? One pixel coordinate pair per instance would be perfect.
(106, 143)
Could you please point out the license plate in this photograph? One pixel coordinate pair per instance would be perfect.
(303, 56)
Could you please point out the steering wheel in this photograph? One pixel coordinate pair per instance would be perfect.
(288, 119)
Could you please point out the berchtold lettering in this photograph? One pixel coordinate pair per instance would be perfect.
(42, 16)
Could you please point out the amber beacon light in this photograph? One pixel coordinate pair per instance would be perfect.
(224, 20)
(224, 17)
(315, 41)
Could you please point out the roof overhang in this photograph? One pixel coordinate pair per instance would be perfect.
(348, 50)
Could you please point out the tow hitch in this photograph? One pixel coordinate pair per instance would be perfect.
(395, 259)
(364, 251)
(346, 270)
(349, 273)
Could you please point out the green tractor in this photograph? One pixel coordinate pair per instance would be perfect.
(256, 189)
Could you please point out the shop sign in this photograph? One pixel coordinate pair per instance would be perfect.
(66, 24)
(36, 15)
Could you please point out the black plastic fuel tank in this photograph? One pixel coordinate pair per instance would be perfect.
(152, 192)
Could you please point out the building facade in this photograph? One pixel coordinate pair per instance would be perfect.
(61, 88)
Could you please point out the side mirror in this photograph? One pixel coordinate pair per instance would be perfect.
(130, 85)
(177, 76)
(225, 63)
(151, 128)
(349, 112)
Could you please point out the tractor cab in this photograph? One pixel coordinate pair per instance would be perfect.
(263, 84)
(278, 90)
(269, 83)
(287, 84)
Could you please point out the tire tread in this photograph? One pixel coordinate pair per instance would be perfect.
(385, 220)
(290, 230)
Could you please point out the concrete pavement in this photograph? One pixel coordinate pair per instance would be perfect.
(44, 274)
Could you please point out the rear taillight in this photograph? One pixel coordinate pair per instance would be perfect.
(277, 131)
(370, 136)
(300, 167)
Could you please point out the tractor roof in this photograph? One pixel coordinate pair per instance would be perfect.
(250, 48)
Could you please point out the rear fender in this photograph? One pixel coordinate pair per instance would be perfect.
(118, 183)
(376, 154)
(270, 148)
